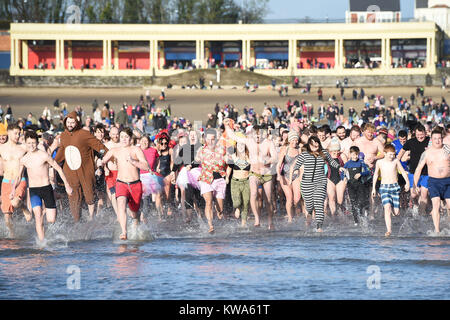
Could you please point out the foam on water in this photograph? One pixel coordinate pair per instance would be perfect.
(105, 226)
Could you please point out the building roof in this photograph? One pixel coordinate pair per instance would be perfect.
(421, 4)
(370, 5)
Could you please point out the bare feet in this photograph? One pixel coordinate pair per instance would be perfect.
(123, 236)
(271, 227)
(237, 213)
(319, 230)
(219, 215)
(211, 229)
(387, 234)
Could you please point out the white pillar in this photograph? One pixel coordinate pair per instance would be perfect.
(150, 55)
(337, 53)
(105, 52)
(202, 53)
(12, 54)
(109, 55)
(57, 54)
(388, 53)
(433, 51)
(249, 54)
(291, 56)
(116, 55)
(244, 54)
(25, 54)
(17, 51)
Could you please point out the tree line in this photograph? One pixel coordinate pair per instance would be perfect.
(134, 11)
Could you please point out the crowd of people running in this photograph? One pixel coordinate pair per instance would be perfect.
(279, 163)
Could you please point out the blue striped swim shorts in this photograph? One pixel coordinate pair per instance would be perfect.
(390, 194)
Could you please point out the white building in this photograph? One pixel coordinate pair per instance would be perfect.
(437, 11)
(434, 10)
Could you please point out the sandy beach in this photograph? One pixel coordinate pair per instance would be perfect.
(192, 104)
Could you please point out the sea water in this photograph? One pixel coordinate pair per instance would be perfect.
(171, 260)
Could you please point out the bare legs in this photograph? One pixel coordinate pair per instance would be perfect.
(435, 214)
(254, 198)
(39, 218)
(292, 194)
(122, 216)
(208, 196)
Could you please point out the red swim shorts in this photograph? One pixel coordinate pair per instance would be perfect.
(132, 191)
(111, 179)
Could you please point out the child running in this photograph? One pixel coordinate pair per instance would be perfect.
(357, 173)
(130, 159)
(37, 164)
(389, 167)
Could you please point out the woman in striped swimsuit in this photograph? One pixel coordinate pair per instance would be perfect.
(314, 180)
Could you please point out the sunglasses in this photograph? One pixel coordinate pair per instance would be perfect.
(164, 143)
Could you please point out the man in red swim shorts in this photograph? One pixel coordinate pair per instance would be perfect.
(111, 167)
(128, 186)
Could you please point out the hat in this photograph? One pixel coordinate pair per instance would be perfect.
(292, 135)
(383, 131)
(334, 145)
(3, 129)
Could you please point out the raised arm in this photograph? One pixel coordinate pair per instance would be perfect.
(232, 135)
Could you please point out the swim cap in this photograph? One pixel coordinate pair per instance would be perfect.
(334, 145)
(292, 135)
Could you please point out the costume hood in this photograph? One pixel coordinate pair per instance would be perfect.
(73, 115)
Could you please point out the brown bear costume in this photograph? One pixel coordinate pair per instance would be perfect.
(76, 150)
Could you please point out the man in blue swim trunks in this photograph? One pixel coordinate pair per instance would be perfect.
(37, 163)
(415, 147)
(437, 159)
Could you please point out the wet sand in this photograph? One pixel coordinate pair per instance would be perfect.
(191, 104)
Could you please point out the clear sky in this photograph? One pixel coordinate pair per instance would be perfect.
(320, 9)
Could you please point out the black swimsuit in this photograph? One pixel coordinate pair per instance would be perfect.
(164, 165)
